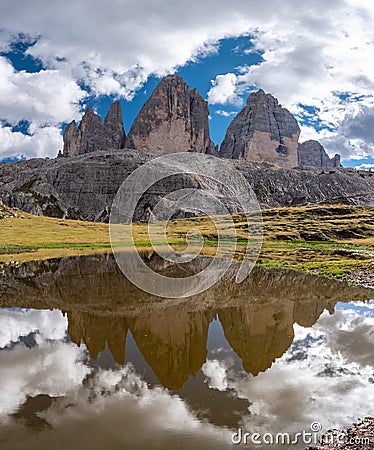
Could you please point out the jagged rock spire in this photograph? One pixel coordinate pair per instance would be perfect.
(92, 135)
(113, 124)
(174, 119)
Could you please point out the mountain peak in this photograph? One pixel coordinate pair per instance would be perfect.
(263, 131)
(174, 119)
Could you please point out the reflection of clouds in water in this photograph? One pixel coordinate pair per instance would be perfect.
(363, 306)
(140, 408)
(116, 409)
(350, 333)
(52, 368)
(215, 373)
(108, 409)
(326, 376)
(21, 322)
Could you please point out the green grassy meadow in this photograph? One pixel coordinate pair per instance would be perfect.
(331, 240)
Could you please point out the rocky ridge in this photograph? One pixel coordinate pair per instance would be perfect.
(261, 142)
(83, 187)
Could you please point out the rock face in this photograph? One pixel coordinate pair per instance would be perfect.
(84, 187)
(263, 131)
(312, 154)
(174, 119)
(92, 135)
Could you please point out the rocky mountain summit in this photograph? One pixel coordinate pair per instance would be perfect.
(263, 131)
(92, 134)
(174, 119)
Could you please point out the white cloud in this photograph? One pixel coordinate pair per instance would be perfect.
(117, 407)
(365, 166)
(42, 142)
(223, 90)
(51, 367)
(116, 403)
(324, 376)
(221, 112)
(323, 56)
(310, 51)
(45, 97)
(308, 133)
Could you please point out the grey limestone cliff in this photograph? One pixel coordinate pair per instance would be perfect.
(84, 187)
(174, 119)
(92, 135)
(263, 131)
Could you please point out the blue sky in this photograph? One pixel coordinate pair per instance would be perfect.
(316, 59)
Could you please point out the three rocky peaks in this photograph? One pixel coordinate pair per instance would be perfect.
(175, 119)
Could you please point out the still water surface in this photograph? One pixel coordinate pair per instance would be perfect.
(87, 361)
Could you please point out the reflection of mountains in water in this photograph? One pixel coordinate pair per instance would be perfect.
(257, 315)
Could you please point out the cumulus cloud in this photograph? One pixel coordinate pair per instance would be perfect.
(310, 51)
(325, 376)
(323, 63)
(43, 97)
(307, 133)
(39, 143)
(349, 129)
(360, 126)
(117, 408)
(51, 367)
(215, 373)
(112, 404)
(358, 129)
(224, 90)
